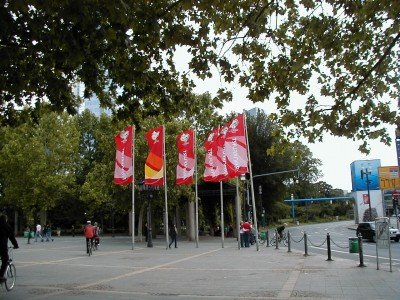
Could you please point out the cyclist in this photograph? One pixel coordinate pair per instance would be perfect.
(281, 229)
(88, 231)
(5, 234)
(96, 232)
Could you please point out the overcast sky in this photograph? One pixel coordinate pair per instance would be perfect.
(336, 154)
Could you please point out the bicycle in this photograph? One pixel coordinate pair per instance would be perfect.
(261, 238)
(11, 272)
(283, 239)
(90, 246)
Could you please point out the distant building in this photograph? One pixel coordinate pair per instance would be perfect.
(253, 112)
(92, 104)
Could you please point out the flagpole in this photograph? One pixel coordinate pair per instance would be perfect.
(196, 189)
(222, 213)
(165, 191)
(133, 186)
(238, 215)
(251, 184)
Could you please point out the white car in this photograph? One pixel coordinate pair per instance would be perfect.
(367, 231)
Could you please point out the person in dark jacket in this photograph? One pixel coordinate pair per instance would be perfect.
(6, 233)
(173, 234)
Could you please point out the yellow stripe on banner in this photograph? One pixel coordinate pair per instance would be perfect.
(150, 173)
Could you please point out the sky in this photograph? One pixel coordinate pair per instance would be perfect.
(335, 153)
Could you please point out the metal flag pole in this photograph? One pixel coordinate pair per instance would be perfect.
(165, 191)
(133, 187)
(238, 215)
(222, 213)
(251, 184)
(196, 189)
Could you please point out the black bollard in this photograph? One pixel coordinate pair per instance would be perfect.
(267, 236)
(328, 243)
(305, 244)
(288, 242)
(360, 251)
(276, 239)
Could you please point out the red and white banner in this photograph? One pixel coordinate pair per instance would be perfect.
(186, 158)
(123, 173)
(154, 167)
(211, 171)
(221, 154)
(236, 147)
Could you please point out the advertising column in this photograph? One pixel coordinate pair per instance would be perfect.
(365, 189)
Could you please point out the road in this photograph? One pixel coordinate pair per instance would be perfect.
(339, 233)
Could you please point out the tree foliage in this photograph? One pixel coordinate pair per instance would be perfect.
(38, 163)
(341, 57)
(269, 159)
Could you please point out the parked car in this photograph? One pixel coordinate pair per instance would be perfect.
(367, 231)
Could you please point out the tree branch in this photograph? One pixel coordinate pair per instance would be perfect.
(368, 74)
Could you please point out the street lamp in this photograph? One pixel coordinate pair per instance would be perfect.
(149, 189)
(367, 172)
(247, 213)
(263, 210)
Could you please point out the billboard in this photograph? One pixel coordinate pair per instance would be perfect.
(389, 178)
(363, 171)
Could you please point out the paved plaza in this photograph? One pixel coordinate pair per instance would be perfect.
(62, 270)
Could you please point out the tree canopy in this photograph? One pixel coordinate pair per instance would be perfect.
(329, 66)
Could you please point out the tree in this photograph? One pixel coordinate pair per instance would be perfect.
(340, 55)
(269, 154)
(38, 163)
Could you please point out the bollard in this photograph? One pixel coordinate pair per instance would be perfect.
(328, 245)
(305, 244)
(288, 242)
(276, 239)
(267, 237)
(360, 251)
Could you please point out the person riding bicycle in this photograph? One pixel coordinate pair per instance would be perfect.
(5, 234)
(96, 234)
(281, 229)
(88, 231)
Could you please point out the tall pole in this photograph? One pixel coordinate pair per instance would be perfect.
(252, 187)
(222, 213)
(165, 193)
(367, 172)
(238, 214)
(196, 191)
(133, 187)
(369, 196)
(149, 219)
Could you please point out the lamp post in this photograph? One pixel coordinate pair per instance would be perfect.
(149, 189)
(275, 173)
(263, 210)
(367, 172)
(247, 213)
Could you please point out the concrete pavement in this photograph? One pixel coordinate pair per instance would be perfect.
(62, 270)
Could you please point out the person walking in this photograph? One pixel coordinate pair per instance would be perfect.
(241, 234)
(73, 230)
(48, 233)
(173, 234)
(38, 232)
(246, 233)
(6, 234)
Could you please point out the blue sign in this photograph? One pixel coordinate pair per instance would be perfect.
(364, 172)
